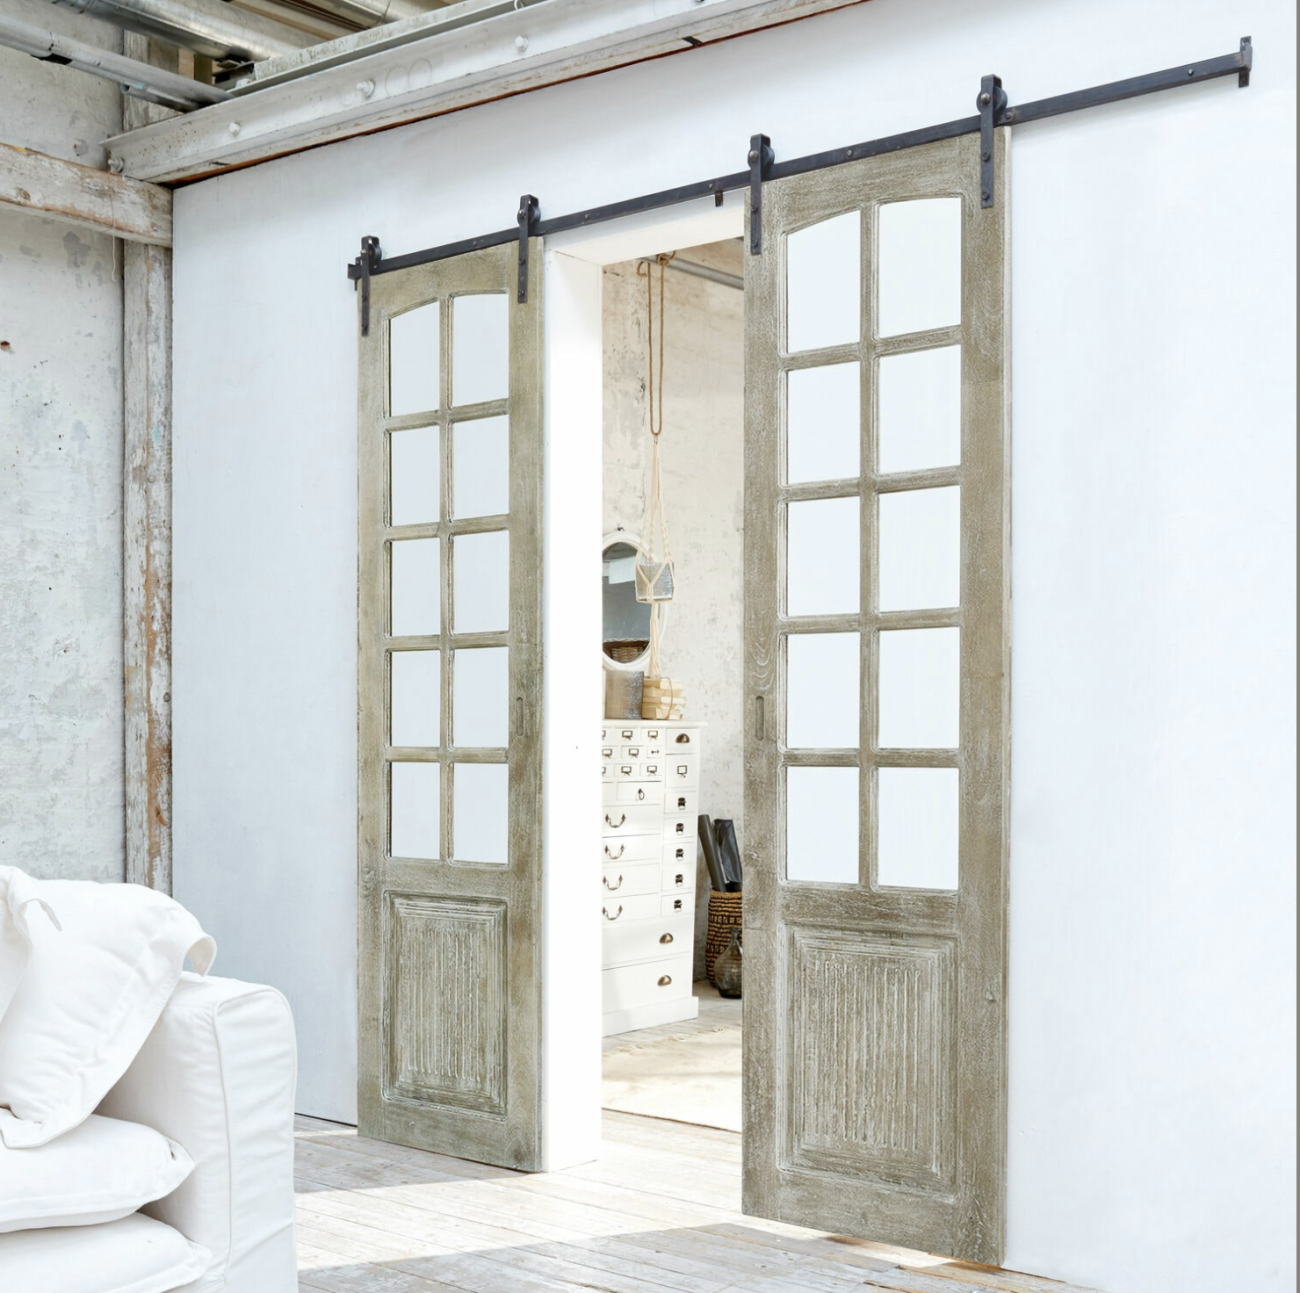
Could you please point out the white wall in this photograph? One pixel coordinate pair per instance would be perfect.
(702, 466)
(1152, 1106)
(61, 701)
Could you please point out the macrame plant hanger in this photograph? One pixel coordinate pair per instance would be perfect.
(655, 579)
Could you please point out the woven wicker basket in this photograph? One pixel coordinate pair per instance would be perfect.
(724, 915)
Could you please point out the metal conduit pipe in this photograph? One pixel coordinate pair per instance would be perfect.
(209, 27)
(137, 79)
(370, 13)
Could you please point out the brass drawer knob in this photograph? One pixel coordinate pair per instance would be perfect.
(665, 938)
(665, 980)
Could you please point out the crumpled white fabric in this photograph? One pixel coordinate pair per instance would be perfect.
(92, 988)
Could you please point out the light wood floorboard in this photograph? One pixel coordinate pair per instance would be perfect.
(658, 1213)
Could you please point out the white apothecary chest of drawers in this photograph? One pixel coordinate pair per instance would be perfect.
(650, 773)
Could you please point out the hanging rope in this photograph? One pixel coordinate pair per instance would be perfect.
(654, 561)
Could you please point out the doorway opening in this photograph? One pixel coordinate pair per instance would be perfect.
(672, 763)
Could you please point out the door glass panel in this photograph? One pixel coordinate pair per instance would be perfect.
(821, 691)
(821, 834)
(918, 819)
(481, 817)
(823, 542)
(824, 425)
(481, 567)
(480, 703)
(416, 697)
(415, 586)
(920, 410)
(414, 820)
(920, 265)
(920, 689)
(413, 476)
(480, 471)
(480, 348)
(920, 549)
(413, 361)
(823, 275)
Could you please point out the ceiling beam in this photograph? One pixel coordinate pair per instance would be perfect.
(84, 196)
(439, 66)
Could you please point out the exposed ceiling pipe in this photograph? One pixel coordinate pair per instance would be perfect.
(370, 13)
(136, 78)
(209, 27)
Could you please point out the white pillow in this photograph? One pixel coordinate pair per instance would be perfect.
(90, 994)
(15, 944)
(133, 1255)
(102, 1170)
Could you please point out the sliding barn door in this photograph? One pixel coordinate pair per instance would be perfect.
(876, 642)
(450, 700)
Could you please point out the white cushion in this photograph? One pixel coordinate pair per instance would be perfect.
(217, 1074)
(90, 994)
(99, 1171)
(133, 1255)
(15, 944)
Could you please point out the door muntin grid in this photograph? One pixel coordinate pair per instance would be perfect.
(874, 553)
(447, 588)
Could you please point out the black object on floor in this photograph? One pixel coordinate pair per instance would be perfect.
(724, 830)
(708, 843)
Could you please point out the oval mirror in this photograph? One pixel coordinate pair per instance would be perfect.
(626, 621)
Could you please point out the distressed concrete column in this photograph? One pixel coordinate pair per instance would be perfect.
(146, 561)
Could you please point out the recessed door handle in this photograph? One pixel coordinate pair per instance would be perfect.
(605, 912)
(617, 824)
(614, 857)
(611, 887)
(665, 980)
(665, 938)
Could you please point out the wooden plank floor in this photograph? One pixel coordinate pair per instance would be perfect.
(659, 1213)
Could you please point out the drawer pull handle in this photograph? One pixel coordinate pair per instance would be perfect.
(665, 938)
(604, 911)
(611, 887)
(633, 751)
(626, 770)
(627, 733)
(677, 904)
(617, 824)
(665, 980)
(640, 794)
(683, 739)
(614, 857)
(681, 801)
(677, 879)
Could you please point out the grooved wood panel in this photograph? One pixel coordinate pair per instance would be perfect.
(447, 1000)
(871, 1027)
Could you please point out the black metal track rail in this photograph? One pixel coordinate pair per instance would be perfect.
(1238, 64)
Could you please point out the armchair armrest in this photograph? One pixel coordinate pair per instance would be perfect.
(217, 1075)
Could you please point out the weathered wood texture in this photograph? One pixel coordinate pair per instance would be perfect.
(450, 1015)
(83, 196)
(146, 561)
(659, 1212)
(875, 1017)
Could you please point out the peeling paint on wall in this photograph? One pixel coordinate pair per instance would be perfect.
(61, 809)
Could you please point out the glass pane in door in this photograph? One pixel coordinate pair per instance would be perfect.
(482, 812)
(821, 690)
(413, 361)
(920, 410)
(920, 549)
(823, 423)
(480, 348)
(919, 272)
(415, 587)
(917, 815)
(821, 836)
(480, 698)
(480, 467)
(413, 476)
(414, 810)
(415, 697)
(823, 302)
(823, 543)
